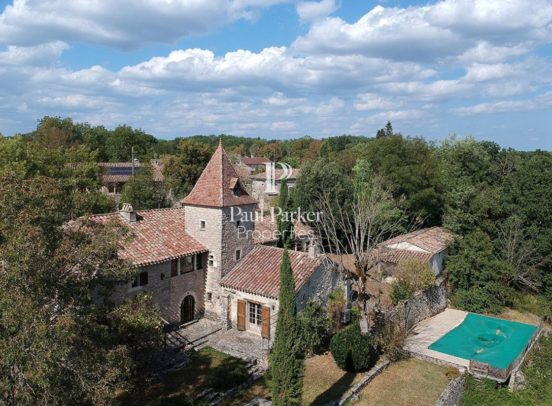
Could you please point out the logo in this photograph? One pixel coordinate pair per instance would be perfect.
(271, 178)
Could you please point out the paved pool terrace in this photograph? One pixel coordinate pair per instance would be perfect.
(455, 337)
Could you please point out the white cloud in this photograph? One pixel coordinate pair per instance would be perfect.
(540, 102)
(121, 23)
(309, 11)
(43, 54)
(372, 101)
(282, 126)
(447, 29)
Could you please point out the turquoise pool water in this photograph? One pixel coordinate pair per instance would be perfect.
(497, 342)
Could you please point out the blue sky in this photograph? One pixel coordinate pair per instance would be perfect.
(282, 68)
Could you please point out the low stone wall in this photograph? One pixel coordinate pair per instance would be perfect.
(423, 305)
(452, 394)
(366, 379)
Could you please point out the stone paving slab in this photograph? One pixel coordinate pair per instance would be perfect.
(430, 330)
(241, 344)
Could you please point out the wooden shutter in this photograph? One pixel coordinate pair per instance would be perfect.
(241, 315)
(265, 322)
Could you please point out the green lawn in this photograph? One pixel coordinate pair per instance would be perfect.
(323, 382)
(407, 383)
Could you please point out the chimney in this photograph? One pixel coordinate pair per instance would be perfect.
(128, 213)
(314, 250)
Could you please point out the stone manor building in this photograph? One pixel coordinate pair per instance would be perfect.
(205, 260)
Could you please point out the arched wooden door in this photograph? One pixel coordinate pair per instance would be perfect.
(187, 309)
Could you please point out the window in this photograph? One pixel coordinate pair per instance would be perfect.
(238, 255)
(185, 265)
(140, 280)
(211, 260)
(198, 261)
(238, 223)
(255, 314)
(174, 267)
(209, 296)
(202, 225)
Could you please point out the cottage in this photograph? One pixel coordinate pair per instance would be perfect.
(428, 245)
(252, 287)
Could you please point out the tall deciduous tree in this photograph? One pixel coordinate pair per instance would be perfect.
(184, 169)
(286, 360)
(143, 191)
(57, 342)
(356, 228)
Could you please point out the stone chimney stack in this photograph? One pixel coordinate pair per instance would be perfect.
(128, 213)
(314, 250)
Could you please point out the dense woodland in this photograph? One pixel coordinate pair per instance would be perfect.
(498, 201)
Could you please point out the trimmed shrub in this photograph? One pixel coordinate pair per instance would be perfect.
(353, 351)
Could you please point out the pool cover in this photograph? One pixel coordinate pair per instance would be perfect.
(497, 342)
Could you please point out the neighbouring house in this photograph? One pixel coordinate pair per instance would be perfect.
(254, 163)
(195, 259)
(116, 174)
(265, 189)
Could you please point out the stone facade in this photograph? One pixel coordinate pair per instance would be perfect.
(169, 291)
(223, 232)
(324, 280)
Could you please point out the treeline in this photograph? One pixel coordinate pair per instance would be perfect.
(499, 201)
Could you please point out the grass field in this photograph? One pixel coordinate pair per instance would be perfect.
(407, 383)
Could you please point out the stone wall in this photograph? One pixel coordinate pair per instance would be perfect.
(321, 283)
(222, 237)
(169, 292)
(452, 394)
(423, 305)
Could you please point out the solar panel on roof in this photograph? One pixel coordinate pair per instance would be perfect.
(122, 170)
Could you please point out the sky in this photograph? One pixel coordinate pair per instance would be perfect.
(282, 68)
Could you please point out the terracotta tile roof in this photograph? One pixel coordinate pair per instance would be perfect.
(253, 160)
(432, 240)
(259, 272)
(394, 256)
(277, 173)
(158, 236)
(265, 230)
(218, 185)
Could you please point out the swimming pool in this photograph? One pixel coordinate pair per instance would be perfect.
(496, 342)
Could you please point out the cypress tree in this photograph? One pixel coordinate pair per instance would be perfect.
(389, 129)
(285, 226)
(286, 359)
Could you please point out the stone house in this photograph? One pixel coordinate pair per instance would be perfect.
(427, 244)
(170, 264)
(252, 287)
(195, 259)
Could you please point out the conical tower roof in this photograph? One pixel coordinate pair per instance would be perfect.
(218, 185)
